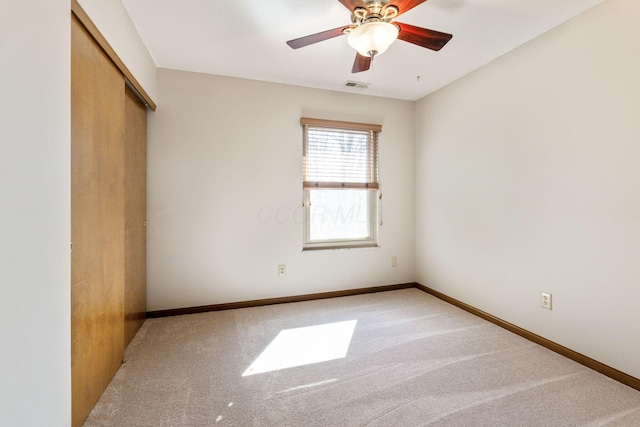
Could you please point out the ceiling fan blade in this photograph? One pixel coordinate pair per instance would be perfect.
(352, 4)
(362, 63)
(404, 5)
(430, 39)
(317, 37)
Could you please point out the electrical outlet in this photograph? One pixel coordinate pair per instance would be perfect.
(282, 270)
(545, 300)
(394, 261)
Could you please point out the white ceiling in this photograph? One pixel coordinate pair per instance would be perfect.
(247, 39)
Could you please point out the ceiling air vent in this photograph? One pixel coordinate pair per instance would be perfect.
(359, 85)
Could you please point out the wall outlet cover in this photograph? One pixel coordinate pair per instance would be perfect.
(545, 300)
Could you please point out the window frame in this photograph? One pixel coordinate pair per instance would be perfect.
(372, 188)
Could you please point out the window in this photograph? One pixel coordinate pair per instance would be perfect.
(340, 183)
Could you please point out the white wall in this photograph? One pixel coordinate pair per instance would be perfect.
(114, 24)
(528, 180)
(225, 190)
(35, 383)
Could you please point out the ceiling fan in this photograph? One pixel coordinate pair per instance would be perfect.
(372, 31)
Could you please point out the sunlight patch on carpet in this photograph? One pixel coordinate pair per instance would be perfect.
(304, 346)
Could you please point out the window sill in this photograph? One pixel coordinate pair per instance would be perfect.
(334, 248)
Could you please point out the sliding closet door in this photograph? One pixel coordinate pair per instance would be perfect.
(97, 221)
(135, 298)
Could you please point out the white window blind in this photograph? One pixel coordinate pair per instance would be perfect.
(340, 155)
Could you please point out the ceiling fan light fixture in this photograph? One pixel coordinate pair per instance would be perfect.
(372, 38)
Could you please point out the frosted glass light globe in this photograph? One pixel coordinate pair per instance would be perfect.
(372, 38)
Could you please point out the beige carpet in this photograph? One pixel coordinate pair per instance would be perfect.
(412, 360)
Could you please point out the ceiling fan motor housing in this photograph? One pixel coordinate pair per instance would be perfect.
(374, 12)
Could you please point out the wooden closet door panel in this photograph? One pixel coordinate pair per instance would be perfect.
(135, 297)
(97, 221)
